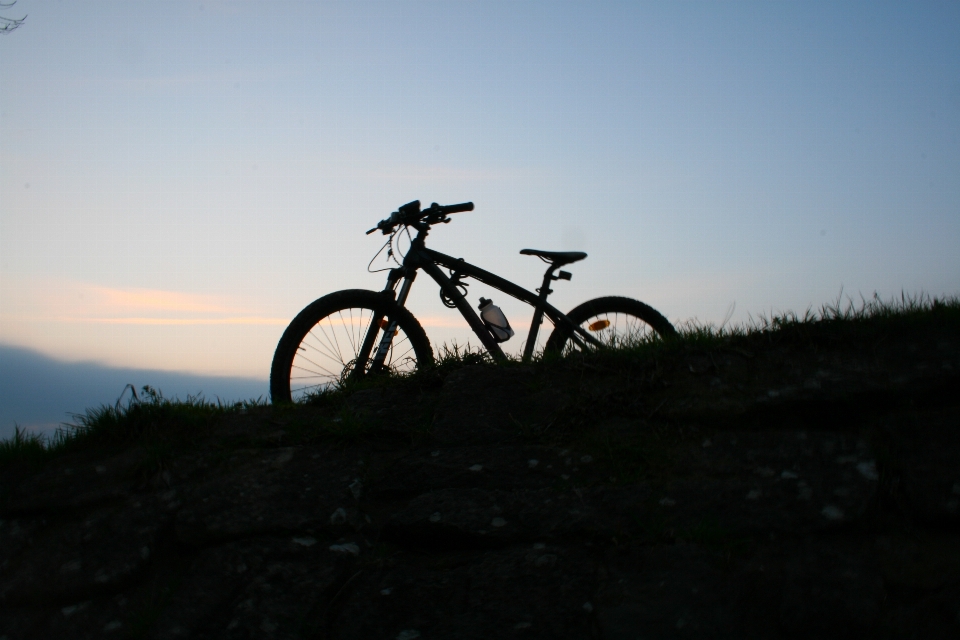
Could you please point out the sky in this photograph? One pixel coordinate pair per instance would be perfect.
(179, 178)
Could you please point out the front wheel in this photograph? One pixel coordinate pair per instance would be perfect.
(324, 343)
(614, 322)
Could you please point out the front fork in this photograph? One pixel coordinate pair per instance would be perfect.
(383, 348)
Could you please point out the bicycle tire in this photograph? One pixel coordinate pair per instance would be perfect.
(320, 346)
(615, 321)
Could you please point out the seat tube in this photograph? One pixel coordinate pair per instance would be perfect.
(532, 336)
(537, 316)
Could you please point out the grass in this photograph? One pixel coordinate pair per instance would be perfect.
(847, 314)
(613, 414)
(626, 380)
(150, 417)
(28, 446)
(837, 321)
(146, 417)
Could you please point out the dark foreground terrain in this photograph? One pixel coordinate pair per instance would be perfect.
(801, 483)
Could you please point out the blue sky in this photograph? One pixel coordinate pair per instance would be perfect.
(179, 179)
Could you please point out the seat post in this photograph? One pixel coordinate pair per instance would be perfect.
(544, 291)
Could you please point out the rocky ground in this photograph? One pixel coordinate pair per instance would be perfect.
(802, 487)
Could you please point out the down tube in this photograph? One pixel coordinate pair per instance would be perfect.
(464, 307)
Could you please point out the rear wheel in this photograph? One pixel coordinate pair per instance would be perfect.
(613, 321)
(321, 347)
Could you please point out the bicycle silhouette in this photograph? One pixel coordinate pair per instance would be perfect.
(355, 333)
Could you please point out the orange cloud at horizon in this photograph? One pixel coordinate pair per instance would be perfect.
(178, 321)
(159, 300)
(72, 302)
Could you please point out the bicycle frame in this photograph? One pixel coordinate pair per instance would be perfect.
(419, 257)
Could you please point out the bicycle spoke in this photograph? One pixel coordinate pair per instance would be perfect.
(613, 330)
(334, 343)
(353, 343)
(394, 358)
(320, 347)
(334, 332)
(326, 371)
(326, 348)
(305, 391)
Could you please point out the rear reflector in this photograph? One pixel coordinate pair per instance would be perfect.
(598, 325)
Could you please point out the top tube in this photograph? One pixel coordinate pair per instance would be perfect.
(490, 279)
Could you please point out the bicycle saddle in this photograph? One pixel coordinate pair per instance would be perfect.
(558, 258)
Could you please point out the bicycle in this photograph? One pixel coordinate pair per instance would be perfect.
(354, 333)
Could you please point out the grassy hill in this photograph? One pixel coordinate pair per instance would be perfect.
(796, 478)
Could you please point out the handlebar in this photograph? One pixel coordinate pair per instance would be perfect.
(410, 213)
(457, 208)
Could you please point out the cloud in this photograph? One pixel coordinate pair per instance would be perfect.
(68, 301)
(39, 392)
(155, 299)
(178, 321)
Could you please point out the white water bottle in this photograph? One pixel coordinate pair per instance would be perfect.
(493, 317)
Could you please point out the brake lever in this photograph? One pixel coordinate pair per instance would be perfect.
(387, 225)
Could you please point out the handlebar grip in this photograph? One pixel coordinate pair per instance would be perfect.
(457, 208)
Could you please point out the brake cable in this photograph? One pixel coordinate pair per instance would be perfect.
(388, 245)
(456, 279)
